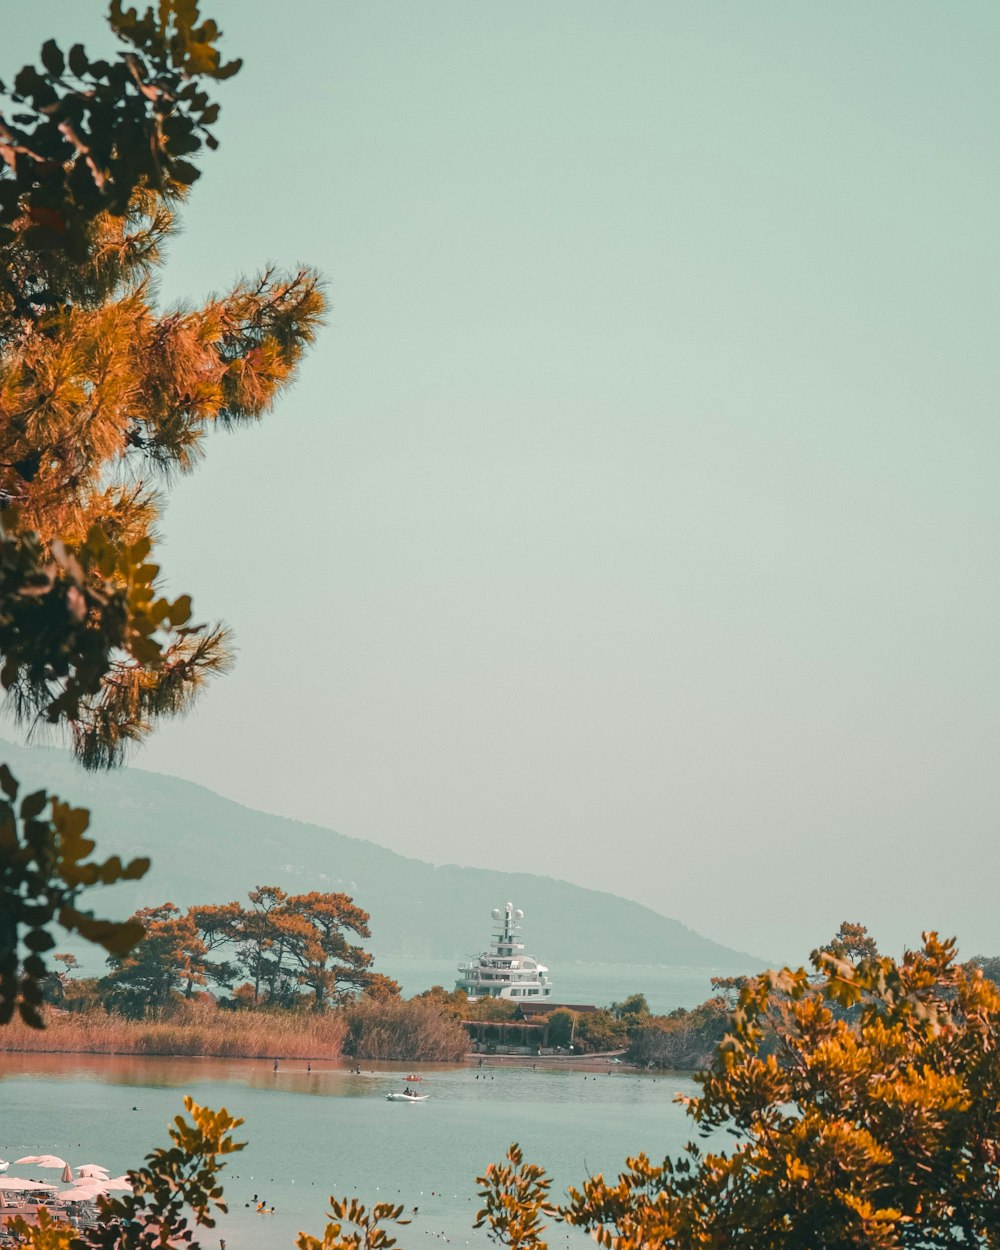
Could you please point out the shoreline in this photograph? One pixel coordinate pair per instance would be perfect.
(319, 1064)
(415, 1033)
(613, 1059)
(607, 1059)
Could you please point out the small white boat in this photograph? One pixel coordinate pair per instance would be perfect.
(407, 1096)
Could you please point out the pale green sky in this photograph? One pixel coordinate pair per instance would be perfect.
(635, 520)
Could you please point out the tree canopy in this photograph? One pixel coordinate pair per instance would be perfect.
(865, 1103)
(102, 397)
(287, 947)
(852, 941)
(863, 1099)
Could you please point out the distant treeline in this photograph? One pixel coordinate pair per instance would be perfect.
(280, 978)
(282, 950)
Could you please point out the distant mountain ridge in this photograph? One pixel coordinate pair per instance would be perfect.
(208, 849)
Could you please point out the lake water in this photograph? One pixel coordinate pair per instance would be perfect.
(332, 1132)
(601, 984)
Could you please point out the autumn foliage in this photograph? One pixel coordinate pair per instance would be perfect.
(103, 396)
(869, 1121)
(862, 1099)
(285, 949)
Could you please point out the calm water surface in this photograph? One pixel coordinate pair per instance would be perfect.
(313, 1134)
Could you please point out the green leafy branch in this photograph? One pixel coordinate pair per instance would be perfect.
(88, 133)
(43, 868)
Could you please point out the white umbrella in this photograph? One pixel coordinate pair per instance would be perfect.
(78, 1194)
(43, 1161)
(16, 1182)
(92, 1169)
(101, 1185)
(67, 1174)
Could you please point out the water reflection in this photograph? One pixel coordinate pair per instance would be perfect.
(326, 1078)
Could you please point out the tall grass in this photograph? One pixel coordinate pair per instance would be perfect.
(368, 1029)
(393, 1029)
(194, 1029)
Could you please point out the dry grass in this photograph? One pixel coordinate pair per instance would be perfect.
(197, 1029)
(415, 1030)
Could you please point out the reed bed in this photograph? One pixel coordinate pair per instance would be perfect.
(393, 1029)
(191, 1031)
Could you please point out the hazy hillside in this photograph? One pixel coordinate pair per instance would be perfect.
(209, 849)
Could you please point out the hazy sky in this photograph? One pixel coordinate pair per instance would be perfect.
(635, 519)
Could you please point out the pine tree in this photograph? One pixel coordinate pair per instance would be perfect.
(169, 961)
(103, 396)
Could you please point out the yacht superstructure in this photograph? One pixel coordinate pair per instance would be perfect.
(504, 971)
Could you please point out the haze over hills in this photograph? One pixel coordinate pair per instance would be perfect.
(208, 849)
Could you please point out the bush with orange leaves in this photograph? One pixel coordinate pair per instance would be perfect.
(865, 1102)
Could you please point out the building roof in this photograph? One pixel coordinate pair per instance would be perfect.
(546, 1008)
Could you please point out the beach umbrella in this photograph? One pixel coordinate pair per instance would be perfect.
(102, 1185)
(67, 1174)
(92, 1169)
(17, 1182)
(43, 1161)
(78, 1194)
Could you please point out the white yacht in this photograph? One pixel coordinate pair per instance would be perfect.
(504, 971)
